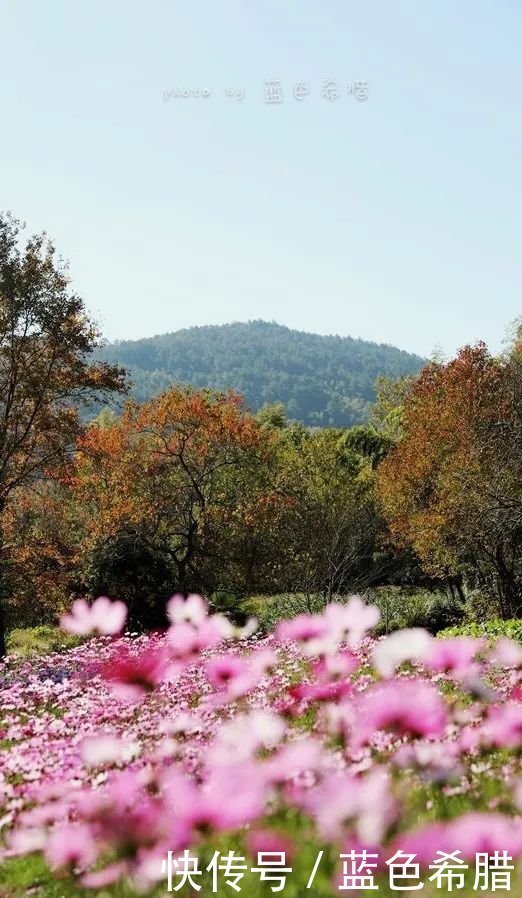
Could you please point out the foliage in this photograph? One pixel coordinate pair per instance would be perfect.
(42, 640)
(324, 381)
(451, 488)
(269, 611)
(172, 496)
(46, 369)
(387, 412)
(511, 629)
(402, 608)
(191, 492)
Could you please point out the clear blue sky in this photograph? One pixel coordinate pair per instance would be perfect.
(398, 219)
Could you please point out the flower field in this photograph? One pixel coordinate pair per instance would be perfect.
(317, 760)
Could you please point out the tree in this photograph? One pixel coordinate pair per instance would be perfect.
(175, 480)
(330, 527)
(46, 339)
(386, 414)
(451, 488)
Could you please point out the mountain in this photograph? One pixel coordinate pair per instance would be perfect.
(322, 380)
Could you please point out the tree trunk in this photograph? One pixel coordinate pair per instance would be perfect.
(3, 595)
(3, 648)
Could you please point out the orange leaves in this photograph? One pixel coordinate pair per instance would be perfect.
(170, 469)
(434, 473)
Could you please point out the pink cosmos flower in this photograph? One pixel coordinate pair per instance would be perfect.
(507, 653)
(71, 846)
(105, 749)
(193, 630)
(365, 804)
(473, 833)
(351, 622)
(304, 629)
(481, 833)
(103, 617)
(243, 736)
(183, 724)
(320, 692)
(407, 707)
(425, 842)
(322, 634)
(26, 841)
(294, 758)
(335, 667)
(454, 656)
(230, 674)
(192, 610)
(251, 794)
(503, 727)
(184, 642)
(263, 661)
(468, 739)
(211, 806)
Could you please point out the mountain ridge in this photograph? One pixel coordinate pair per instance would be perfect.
(322, 379)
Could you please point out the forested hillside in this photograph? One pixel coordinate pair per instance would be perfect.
(322, 380)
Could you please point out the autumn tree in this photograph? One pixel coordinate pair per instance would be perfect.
(451, 488)
(46, 340)
(167, 485)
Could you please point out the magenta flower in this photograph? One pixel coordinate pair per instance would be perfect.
(132, 676)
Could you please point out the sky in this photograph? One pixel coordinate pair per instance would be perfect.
(396, 218)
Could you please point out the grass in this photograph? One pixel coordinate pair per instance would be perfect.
(43, 640)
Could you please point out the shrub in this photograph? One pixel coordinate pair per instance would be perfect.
(40, 640)
(403, 607)
(400, 607)
(493, 628)
(270, 610)
(228, 603)
(126, 566)
(481, 607)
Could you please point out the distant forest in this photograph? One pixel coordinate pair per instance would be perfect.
(323, 381)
